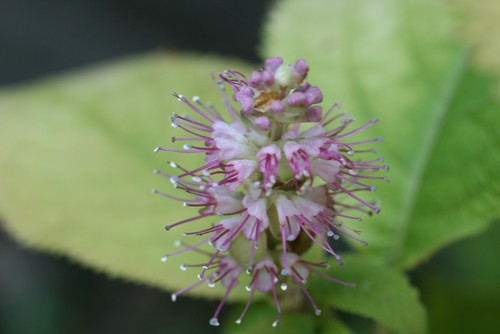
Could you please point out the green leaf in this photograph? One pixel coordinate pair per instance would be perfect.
(382, 59)
(381, 293)
(77, 160)
(334, 326)
(260, 318)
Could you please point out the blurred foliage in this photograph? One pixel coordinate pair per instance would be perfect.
(380, 61)
(76, 156)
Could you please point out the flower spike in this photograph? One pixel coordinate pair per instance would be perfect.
(279, 177)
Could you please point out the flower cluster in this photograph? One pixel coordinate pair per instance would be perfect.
(279, 176)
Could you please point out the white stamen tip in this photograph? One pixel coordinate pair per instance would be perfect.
(276, 323)
(180, 97)
(196, 99)
(284, 272)
(187, 146)
(154, 191)
(174, 179)
(317, 312)
(214, 322)
(196, 179)
(249, 271)
(380, 139)
(183, 267)
(211, 284)
(248, 288)
(173, 164)
(157, 148)
(177, 243)
(284, 286)
(164, 258)
(205, 173)
(174, 297)
(238, 321)
(330, 234)
(373, 188)
(336, 237)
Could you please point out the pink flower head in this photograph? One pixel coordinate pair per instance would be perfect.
(270, 186)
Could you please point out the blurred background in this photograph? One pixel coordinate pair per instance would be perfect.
(41, 293)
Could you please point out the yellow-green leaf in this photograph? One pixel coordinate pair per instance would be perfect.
(76, 163)
(399, 61)
(381, 293)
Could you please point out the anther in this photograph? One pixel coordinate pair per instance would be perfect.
(214, 322)
(164, 258)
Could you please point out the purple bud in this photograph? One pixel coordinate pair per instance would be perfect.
(296, 99)
(314, 95)
(277, 107)
(300, 68)
(314, 114)
(273, 63)
(262, 123)
(268, 78)
(256, 79)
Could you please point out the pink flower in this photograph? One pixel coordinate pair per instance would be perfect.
(274, 186)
